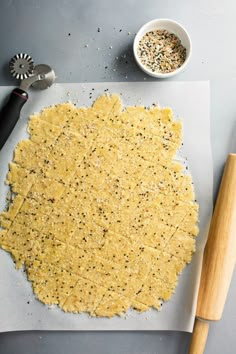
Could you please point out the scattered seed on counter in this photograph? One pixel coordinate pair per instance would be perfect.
(161, 51)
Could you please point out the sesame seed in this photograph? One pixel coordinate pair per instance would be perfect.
(161, 51)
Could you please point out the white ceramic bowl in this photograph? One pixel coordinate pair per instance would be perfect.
(171, 26)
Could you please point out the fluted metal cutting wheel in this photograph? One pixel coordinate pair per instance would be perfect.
(21, 66)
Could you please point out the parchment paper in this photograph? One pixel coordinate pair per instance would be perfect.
(19, 310)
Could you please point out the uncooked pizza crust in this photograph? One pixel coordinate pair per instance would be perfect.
(104, 218)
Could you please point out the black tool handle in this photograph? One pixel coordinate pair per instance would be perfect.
(10, 113)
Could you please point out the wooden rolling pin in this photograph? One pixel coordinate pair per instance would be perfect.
(218, 260)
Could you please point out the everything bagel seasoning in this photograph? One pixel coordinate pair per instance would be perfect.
(161, 51)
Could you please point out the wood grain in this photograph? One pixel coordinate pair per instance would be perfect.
(220, 252)
(199, 337)
(218, 259)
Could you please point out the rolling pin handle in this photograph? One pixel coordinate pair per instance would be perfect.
(199, 336)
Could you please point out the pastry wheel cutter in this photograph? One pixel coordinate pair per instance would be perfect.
(40, 76)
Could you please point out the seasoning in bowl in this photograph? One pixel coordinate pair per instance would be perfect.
(161, 51)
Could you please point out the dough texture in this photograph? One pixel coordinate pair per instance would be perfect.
(104, 219)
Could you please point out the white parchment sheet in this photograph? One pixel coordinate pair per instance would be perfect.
(19, 309)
